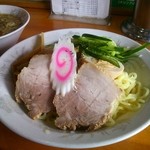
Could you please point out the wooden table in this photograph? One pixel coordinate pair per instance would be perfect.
(40, 22)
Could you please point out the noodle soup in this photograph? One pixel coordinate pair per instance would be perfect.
(13, 21)
(9, 23)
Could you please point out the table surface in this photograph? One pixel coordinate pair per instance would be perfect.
(40, 22)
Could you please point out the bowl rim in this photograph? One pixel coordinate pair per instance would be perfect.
(22, 26)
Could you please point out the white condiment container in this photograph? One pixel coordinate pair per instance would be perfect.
(89, 11)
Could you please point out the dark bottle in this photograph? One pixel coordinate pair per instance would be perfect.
(138, 27)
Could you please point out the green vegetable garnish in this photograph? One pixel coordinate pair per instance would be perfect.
(104, 48)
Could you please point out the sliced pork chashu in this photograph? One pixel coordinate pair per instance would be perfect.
(33, 86)
(90, 103)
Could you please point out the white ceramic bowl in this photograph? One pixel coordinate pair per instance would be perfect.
(10, 39)
(15, 118)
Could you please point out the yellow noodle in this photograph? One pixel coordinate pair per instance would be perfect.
(132, 97)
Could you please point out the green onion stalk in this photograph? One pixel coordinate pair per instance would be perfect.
(104, 48)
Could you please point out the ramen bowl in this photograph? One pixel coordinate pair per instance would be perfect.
(13, 116)
(10, 38)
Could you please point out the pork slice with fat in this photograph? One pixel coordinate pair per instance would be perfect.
(34, 88)
(90, 103)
